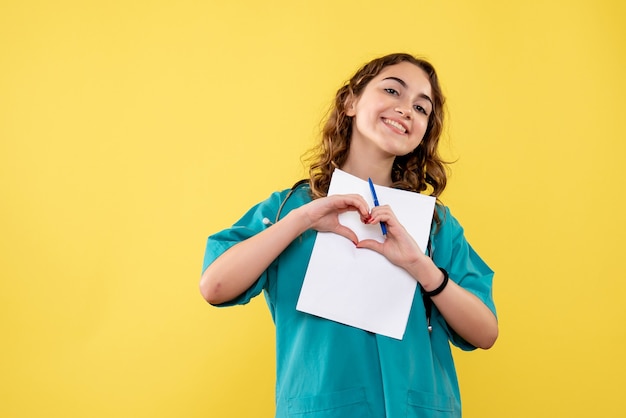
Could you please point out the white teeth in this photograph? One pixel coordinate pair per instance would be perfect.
(394, 124)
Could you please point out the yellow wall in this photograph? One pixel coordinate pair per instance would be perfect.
(130, 130)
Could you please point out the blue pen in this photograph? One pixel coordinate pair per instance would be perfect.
(382, 224)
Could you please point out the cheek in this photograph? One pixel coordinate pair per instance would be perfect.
(364, 120)
(422, 125)
(416, 144)
(420, 132)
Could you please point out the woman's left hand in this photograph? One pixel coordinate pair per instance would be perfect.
(462, 310)
(399, 247)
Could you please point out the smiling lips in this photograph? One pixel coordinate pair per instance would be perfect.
(396, 125)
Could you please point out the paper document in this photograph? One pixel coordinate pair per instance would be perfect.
(357, 286)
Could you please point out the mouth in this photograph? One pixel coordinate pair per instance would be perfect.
(397, 125)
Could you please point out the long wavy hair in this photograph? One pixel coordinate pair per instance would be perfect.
(417, 171)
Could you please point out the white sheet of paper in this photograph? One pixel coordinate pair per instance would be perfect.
(357, 286)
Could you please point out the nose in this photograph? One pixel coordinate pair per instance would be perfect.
(405, 111)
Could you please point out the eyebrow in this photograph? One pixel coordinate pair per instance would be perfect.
(403, 84)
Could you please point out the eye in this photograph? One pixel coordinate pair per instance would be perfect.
(391, 91)
(420, 109)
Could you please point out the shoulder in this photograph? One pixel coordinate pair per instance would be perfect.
(450, 248)
(296, 196)
(279, 203)
(448, 224)
(299, 192)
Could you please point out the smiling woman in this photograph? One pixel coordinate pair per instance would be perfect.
(385, 125)
(132, 130)
(390, 118)
(332, 151)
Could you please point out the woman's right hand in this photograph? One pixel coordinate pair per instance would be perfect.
(323, 214)
(238, 267)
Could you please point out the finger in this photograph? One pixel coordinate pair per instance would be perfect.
(359, 204)
(378, 218)
(346, 232)
(353, 200)
(385, 215)
(382, 212)
(371, 244)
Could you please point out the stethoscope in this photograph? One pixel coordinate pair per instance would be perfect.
(428, 303)
(299, 183)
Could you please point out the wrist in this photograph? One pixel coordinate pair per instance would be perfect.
(299, 219)
(429, 276)
(437, 290)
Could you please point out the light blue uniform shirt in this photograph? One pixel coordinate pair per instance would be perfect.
(326, 369)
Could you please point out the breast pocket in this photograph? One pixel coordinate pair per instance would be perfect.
(430, 405)
(350, 403)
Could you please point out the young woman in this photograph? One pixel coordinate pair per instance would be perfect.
(385, 124)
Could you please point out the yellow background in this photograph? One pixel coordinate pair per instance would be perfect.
(131, 130)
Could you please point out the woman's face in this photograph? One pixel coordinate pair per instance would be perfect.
(391, 114)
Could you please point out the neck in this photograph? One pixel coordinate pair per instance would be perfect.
(364, 167)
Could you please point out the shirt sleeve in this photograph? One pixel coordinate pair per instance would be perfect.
(249, 225)
(453, 252)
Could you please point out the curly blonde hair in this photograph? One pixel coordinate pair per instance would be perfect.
(416, 171)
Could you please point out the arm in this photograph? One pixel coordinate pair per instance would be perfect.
(240, 266)
(462, 310)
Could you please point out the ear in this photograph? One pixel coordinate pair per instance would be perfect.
(349, 105)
